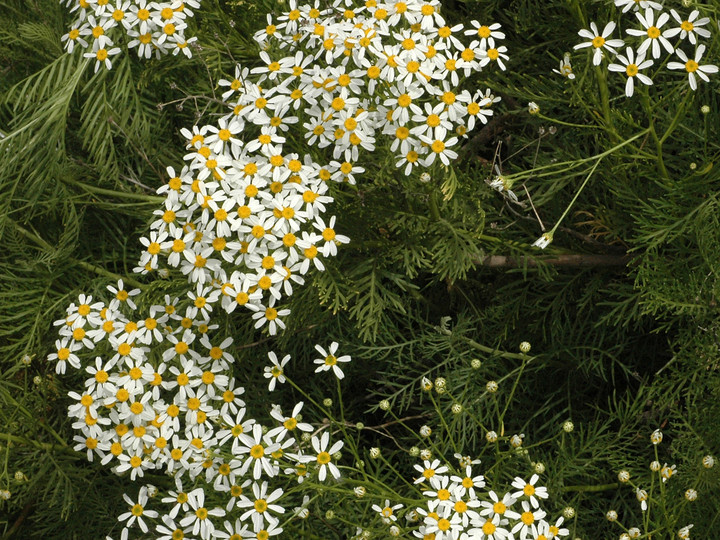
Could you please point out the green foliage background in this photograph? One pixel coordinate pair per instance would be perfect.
(621, 309)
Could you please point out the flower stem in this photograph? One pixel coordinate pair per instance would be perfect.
(587, 178)
(653, 133)
(590, 489)
(113, 193)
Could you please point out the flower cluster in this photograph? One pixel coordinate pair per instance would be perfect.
(649, 497)
(656, 29)
(244, 218)
(160, 396)
(149, 26)
(458, 506)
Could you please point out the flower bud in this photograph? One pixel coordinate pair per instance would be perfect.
(475, 363)
(456, 408)
(374, 452)
(360, 492)
(425, 454)
(539, 467)
(491, 387)
(517, 440)
(691, 494)
(327, 402)
(329, 514)
(414, 451)
(568, 427)
(525, 347)
(611, 515)
(705, 109)
(384, 405)
(425, 431)
(624, 476)
(684, 533)
(569, 512)
(491, 436)
(656, 437)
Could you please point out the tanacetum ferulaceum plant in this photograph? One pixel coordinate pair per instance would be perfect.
(150, 27)
(339, 88)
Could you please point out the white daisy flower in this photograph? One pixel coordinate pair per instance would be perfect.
(137, 511)
(637, 4)
(655, 36)
(565, 68)
(329, 360)
(689, 28)
(631, 66)
(599, 41)
(693, 67)
(387, 512)
(275, 371)
(199, 518)
(324, 456)
(528, 489)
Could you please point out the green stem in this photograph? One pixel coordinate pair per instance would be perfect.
(434, 210)
(514, 387)
(113, 193)
(587, 178)
(605, 99)
(82, 264)
(676, 119)
(444, 423)
(533, 173)
(484, 348)
(101, 271)
(590, 489)
(569, 124)
(37, 444)
(653, 133)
